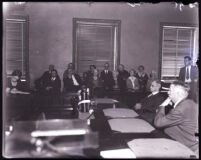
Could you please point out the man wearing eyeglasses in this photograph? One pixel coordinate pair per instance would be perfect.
(181, 123)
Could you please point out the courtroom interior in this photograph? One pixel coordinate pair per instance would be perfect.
(100, 80)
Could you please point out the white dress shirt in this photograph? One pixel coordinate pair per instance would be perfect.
(153, 93)
(189, 71)
(53, 78)
(75, 81)
(132, 78)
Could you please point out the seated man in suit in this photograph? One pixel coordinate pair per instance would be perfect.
(39, 83)
(189, 75)
(72, 81)
(182, 121)
(107, 80)
(71, 66)
(53, 83)
(52, 89)
(148, 106)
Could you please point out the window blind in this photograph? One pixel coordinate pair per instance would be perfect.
(95, 42)
(94, 46)
(16, 46)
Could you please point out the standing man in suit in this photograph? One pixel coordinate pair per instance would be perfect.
(107, 80)
(148, 106)
(189, 75)
(182, 121)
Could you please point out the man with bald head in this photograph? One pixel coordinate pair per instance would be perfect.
(182, 121)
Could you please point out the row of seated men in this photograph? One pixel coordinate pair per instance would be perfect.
(180, 121)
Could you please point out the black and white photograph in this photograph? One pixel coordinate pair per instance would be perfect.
(103, 80)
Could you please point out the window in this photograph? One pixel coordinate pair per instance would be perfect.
(96, 42)
(16, 45)
(177, 42)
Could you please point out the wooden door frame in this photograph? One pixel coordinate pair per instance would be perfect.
(115, 23)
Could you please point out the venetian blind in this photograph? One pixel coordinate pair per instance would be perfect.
(95, 45)
(16, 46)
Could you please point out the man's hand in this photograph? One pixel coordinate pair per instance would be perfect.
(166, 102)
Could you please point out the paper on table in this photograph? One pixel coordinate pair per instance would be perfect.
(159, 148)
(105, 101)
(118, 153)
(119, 113)
(131, 125)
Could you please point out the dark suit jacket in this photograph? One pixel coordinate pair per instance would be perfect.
(121, 79)
(41, 82)
(107, 79)
(55, 84)
(142, 82)
(69, 85)
(193, 73)
(151, 103)
(180, 123)
(193, 93)
(149, 106)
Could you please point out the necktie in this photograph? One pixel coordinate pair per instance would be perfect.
(187, 73)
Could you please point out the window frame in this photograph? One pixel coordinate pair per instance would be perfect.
(109, 22)
(177, 25)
